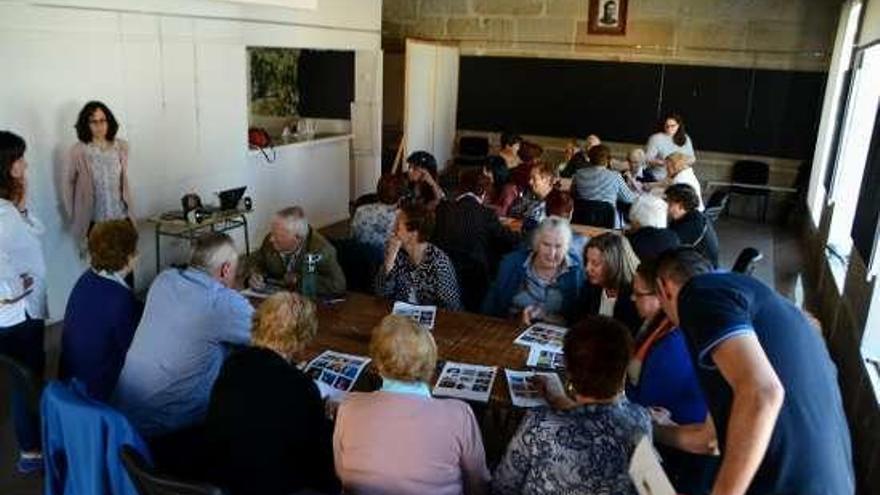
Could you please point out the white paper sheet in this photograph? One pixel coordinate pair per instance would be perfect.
(466, 381)
(542, 335)
(337, 370)
(541, 357)
(423, 315)
(523, 392)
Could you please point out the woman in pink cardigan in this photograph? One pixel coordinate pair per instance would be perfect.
(95, 185)
(399, 439)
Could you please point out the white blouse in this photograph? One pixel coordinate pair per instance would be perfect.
(21, 254)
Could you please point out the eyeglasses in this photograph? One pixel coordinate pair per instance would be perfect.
(669, 126)
(97, 121)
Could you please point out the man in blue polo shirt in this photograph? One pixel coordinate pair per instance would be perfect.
(768, 379)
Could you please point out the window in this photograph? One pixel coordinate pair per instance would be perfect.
(858, 126)
(826, 141)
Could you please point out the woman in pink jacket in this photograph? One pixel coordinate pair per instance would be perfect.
(95, 185)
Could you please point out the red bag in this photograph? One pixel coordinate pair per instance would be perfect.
(258, 138)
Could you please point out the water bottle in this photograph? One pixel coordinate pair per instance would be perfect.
(310, 277)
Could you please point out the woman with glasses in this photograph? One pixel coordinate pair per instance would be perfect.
(95, 186)
(671, 138)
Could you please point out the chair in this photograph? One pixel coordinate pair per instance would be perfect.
(472, 150)
(595, 213)
(148, 482)
(754, 173)
(746, 261)
(364, 199)
(716, 204)
(359, 263)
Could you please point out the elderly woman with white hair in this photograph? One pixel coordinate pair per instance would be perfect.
(400, 439)
(648, 234)
(541, 283)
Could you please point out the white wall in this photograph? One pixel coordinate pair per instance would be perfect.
(870, 23)
(174, 73)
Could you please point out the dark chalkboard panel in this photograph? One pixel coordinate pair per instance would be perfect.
(745, 111)
(326, 83)
(557, 97)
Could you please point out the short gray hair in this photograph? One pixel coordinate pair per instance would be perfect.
(211, 250)
(553, 223)
(295, 221)
(649, 211)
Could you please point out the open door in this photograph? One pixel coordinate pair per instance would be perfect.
(431, 99)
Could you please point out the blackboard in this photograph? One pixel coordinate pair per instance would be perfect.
(747, 111)
(325, 79)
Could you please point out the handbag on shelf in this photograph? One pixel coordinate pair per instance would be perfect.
(258, 138)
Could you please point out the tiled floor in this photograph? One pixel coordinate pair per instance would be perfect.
(781, 267)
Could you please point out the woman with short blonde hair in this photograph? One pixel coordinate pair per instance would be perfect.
(265, 429)
(399, 439)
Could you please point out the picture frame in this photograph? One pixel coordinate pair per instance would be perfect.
(607, 17)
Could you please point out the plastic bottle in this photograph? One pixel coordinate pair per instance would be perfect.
(310, 277)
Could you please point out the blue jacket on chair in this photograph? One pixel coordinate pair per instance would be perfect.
(82, 439)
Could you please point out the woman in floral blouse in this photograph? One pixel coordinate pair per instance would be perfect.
(416, 271)
(584, 444)
(373, 223)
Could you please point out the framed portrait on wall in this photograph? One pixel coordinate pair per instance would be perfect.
(607, 17)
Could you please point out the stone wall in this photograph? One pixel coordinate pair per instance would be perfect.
(776, 34)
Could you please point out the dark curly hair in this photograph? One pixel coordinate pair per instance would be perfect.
(597, 351)
(112, 244)
(12, 148)
(599, 155)
(84, 132)
(418, 219)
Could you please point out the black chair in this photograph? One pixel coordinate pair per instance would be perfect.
(472, 150)
(148, 482)
(746, 261)
(595, 213)
(364, 199)
(754, 173)
(716, 204)
(359, 263)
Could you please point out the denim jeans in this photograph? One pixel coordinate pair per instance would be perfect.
(24, 343)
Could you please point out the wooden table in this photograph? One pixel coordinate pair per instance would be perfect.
(464, 337)
(590, 231)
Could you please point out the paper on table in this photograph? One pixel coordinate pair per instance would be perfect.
(542, 335)
(465, 381)
(541, 357)
(646, 473)
(423, 315)
(336, 369)
(523, 392)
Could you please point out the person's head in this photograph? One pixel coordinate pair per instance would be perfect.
(96, 121)
(12, 166)
(599, 155)
(675, 163)
(215, 253)
(571, 148)
(388, 189)
(421, 163)
(403, 350)
(609, 10)
(288, 229)
(579, 160)
(530, 152)
(559, 203)
(644, 290)
(285, 323)
(673, 270)
(542, 178)
(474, 181)
(511, 142)
(597, 351)
(681, 198)
(550, 242)
(635, 159)
(113, 246)
(591, 141)
(610, 262)
(673, 125)
(648, 211)
(415, 223)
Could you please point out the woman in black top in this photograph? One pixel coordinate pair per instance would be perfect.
(691, 225)
(266, 430)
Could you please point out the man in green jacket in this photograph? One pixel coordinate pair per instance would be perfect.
(281, 259)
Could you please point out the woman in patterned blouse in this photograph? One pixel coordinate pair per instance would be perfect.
(373, 223)
(416, 271)
(584, 444)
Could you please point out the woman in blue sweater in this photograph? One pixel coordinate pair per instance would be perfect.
(102, 312)
(542, 283)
